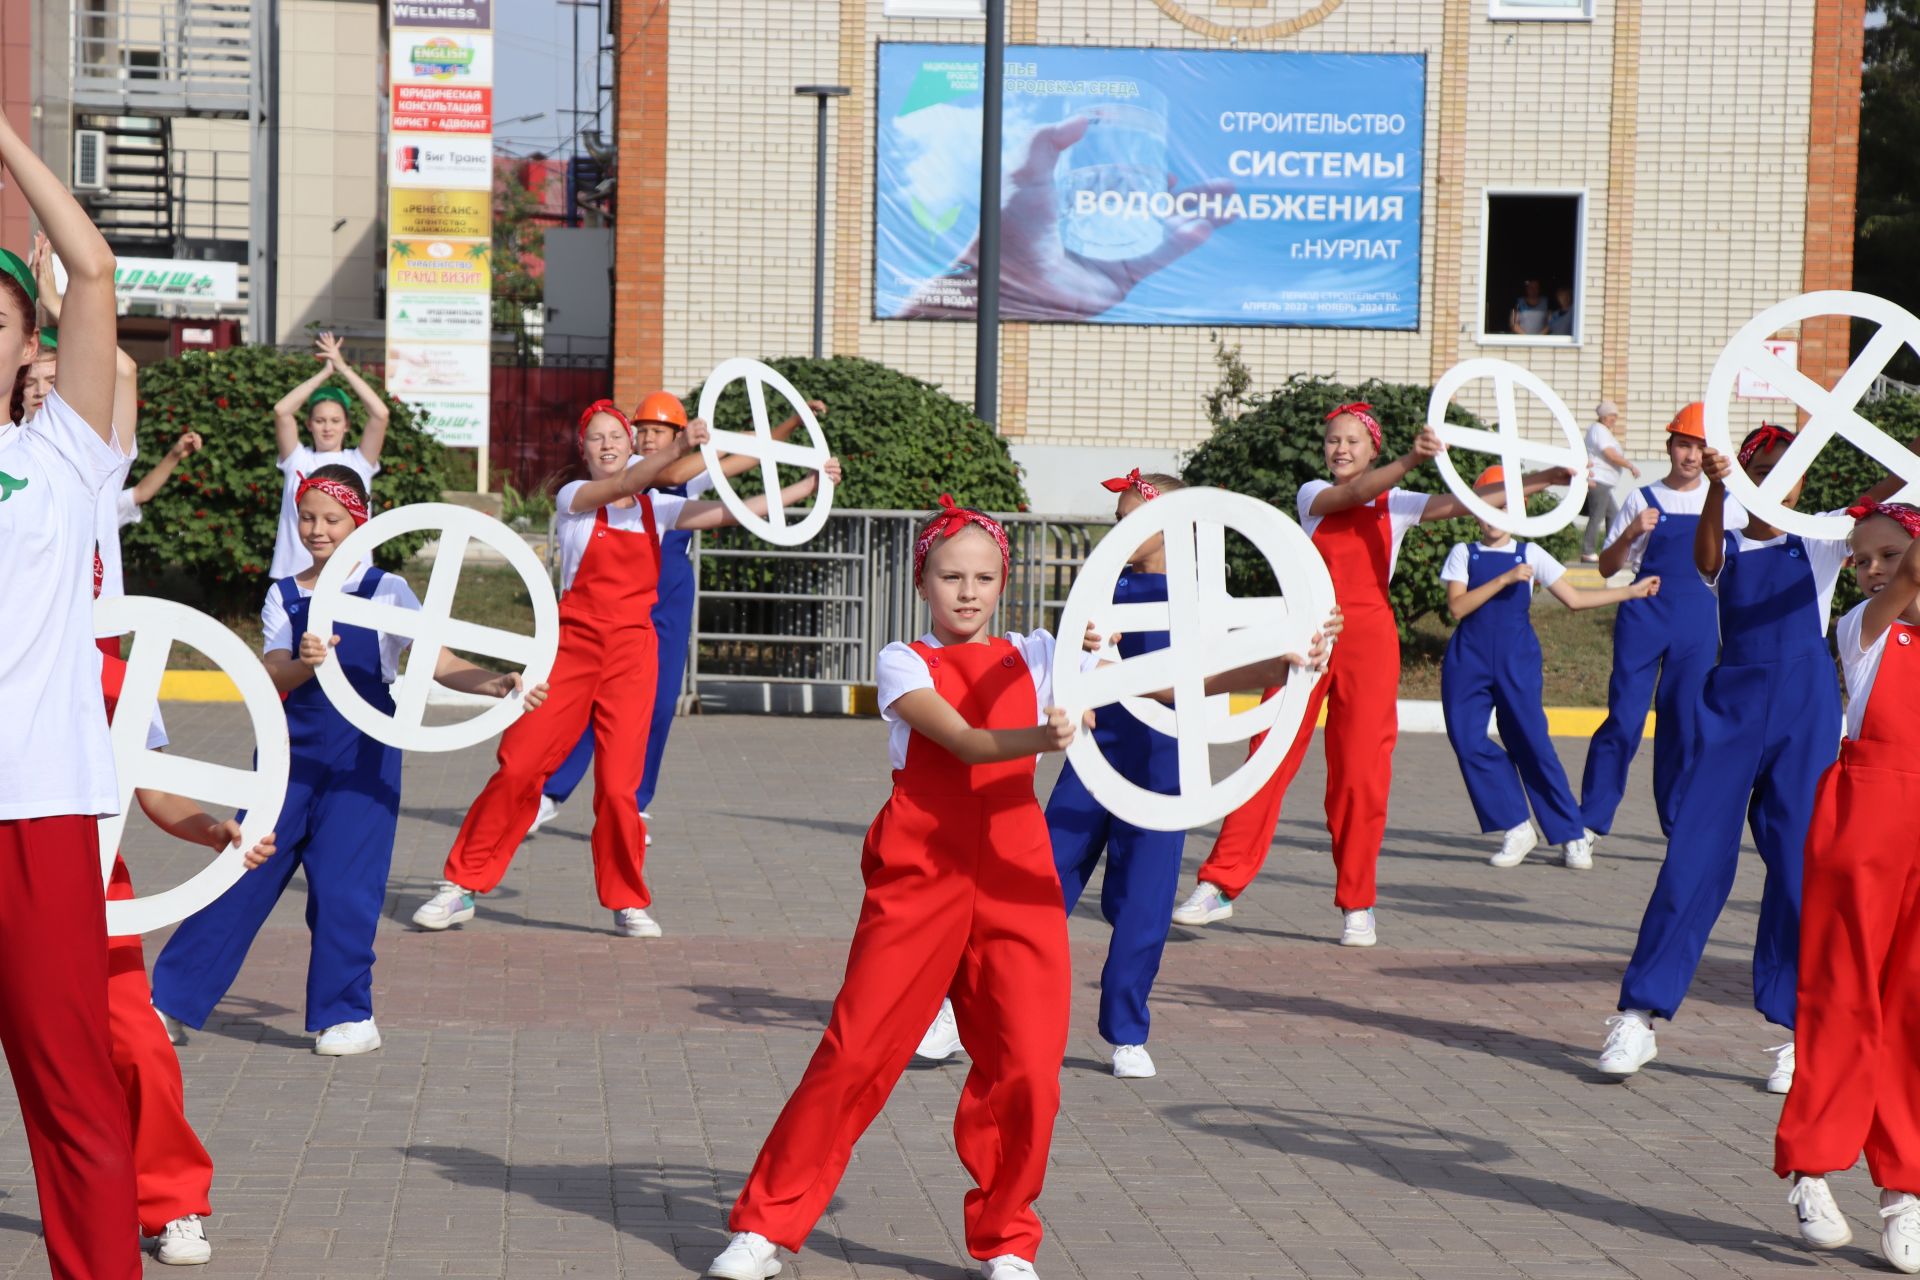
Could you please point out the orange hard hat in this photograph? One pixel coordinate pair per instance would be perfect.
(663, 407)
(1492, 475)
(1691, 422)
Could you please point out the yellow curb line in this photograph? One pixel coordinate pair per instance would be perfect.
(198, 686)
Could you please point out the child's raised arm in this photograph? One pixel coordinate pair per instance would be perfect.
(644, 474)
(455, 672)
(150, 484)
(373, 436)
(1710, 535)
(1894, 599)
(714, 515)
(286, 410)
(1444, 506)
(1463, 600)
(89, 329)
(735, 464)
(1362, 489)
(184, 820)
(933, 717)
(1576, 598)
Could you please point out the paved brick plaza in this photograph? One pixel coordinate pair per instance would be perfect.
(553, 1100)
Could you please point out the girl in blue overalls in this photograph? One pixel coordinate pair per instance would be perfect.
(1668, 640)
(1769, 726)
(343, 794)
(1493, 668)
(658, 418)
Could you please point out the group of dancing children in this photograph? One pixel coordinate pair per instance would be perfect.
(962, 934)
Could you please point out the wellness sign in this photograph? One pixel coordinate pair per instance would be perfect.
(1156, 186)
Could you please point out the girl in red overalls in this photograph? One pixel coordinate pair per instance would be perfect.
(608, 527)
(962, 901)
(1357, 521)
(1857, 1040)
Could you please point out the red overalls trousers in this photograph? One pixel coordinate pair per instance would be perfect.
(172, 1171)
(962, 900)
(604, 672)
(1361, 688)
(54, 1028)
(1856, 1079)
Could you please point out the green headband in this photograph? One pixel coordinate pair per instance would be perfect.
(13, 265)
(334, 394)
(49, 338)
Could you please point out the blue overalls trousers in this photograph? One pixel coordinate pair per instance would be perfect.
(1769, 727)
(1143, 867)
(338, 820)
(672, 623)
(1493, 669)
(1670, 637)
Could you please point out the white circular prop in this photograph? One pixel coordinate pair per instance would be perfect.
(433, 628)
(773, 527)
(1513, 449)
(1829, 413)
(155, 625)
(1208, 632)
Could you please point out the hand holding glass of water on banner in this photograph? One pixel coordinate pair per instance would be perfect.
(1122, 159)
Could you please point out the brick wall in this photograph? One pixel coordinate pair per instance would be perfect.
(1690, 140)
(1833, 154)
(16, 99)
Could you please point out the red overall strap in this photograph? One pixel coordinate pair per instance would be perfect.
(991, 687)
(1357, 545)
(1896, 691)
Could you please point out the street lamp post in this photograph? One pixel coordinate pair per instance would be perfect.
(820, 92)
(986, 350)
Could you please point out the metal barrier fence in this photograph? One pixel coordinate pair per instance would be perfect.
(820, 614)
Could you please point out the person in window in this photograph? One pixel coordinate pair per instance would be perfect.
(1529, 314)
(1560, 317)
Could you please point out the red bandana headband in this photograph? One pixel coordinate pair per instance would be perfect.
(1905, 517)
(952, 520)
(1147, 490)
(339, 492)
(612, 409)
(1364, 412)
(1763, 440)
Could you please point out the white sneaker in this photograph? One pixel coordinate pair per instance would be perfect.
(1629, 1045)
(450, 905)
(548, 810)
(1515, 846)
(748, 1256)
(1780, 1079)
(1900, 1230)
(183, 1243)
(344, 1039)
(942, 1040)
(1205, 905)
(176, 1030)
(1821, 1225)
(1357, 929)
(634, 922)
(645, 820)
(1008, 1266)
(1577, 855)
(1133, 1062)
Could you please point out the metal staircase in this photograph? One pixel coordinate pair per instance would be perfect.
(134, 209)
(165, 57)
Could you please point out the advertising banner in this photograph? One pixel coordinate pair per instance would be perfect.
(436, 214)
(436, 160)
(1156, 186)
(438, 317)
(466, 15)
(459, 421)
(442, 57)
(451, 266)
(173, 280)
(442, 108)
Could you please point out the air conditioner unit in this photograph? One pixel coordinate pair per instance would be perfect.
(89, 160)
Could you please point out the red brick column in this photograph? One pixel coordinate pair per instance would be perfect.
(16, 98)
(1833, 162)
(640, 223)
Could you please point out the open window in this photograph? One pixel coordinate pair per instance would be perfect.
(1532, 267)
(1540, 10)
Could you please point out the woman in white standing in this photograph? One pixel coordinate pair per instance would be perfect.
(56, 767)
(327, 425)
(1605, 461)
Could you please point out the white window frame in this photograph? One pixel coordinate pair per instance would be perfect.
(1512, 11)
(961, 9)
(1578, 339)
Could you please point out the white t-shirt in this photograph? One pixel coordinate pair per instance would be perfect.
(57, 760)
(289, 557)
(1675, 502)
(574, 529)
(900, 671)
(1599, 440)
(1404, 509)
(1546, 570)
(1825, 556)
(106, 533)
(276, 631)
(1859, 666)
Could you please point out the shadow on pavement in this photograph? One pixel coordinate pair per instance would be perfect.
(759, 1007)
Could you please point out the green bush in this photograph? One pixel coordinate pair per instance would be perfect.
(903, 442)
(1269, 445)
(1842, 473)
(211, 528)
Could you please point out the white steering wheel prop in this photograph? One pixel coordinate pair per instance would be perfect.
(1513, 450)
(1830, 413)
(433, 628)
(155, 625)
(1208, 632)
(761, 444)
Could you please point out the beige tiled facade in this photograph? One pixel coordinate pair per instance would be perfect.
(1685, 125)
